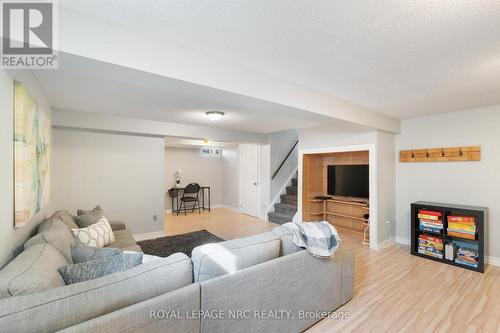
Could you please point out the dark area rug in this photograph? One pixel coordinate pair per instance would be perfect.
(165, 246)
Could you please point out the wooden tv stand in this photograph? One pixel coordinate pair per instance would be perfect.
(345, 213)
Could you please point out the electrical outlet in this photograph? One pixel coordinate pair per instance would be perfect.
(155, 218)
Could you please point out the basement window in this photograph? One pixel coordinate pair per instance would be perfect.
(210, 152)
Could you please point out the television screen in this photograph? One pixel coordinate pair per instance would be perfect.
(348, 180)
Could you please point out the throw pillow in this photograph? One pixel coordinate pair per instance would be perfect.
(98, 234)
(82, 253)
(34, 270)
(57, 234)
(85, 218)
(66, 217)
(97, 268)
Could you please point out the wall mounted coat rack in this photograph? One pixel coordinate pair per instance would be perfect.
(450, 154)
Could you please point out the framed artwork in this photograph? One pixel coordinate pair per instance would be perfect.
(32, 134)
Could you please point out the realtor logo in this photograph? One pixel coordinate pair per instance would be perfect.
(28, 34)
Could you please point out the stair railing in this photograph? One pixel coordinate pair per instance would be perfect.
(285, 159)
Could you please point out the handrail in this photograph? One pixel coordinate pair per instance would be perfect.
(284, 160)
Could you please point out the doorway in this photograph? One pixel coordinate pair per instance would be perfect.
(249, 179)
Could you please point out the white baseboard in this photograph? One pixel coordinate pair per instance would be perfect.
(493, 261)
(397, 240)
(402, 240)
(169, 211)
(149, 235)
(384, 244)
(227, 207)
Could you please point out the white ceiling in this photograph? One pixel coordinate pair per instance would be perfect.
(82, 84)
(402, 58)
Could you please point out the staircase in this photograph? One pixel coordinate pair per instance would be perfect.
(285, 210)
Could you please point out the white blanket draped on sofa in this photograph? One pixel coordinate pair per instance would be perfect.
(319, 238)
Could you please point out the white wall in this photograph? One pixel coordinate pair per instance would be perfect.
(325, 137)
(230, 177)
(386, 199)
(469, 183)
(220, 173)
(124, 174)
(11, 240)
(280, 144)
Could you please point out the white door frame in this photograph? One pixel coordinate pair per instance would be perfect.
(258, 180)
(372, 160)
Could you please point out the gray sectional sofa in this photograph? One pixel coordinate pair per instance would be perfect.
(262, 283)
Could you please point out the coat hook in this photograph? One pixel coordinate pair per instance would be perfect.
(460, 153)
(427, 153)
(443, 153)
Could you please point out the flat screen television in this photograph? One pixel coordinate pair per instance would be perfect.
(349, 180)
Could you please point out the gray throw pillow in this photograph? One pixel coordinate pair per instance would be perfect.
(66, 217)
(85, 218)
(56, 233)
(97, 268)
(34, 270)
(81, 253)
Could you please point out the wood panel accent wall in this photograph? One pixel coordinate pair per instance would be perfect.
(342, 212)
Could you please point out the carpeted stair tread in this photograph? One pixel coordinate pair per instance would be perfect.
(291, 190)
(286, 206)
(286, 209)
(289, 199)
(279, 218)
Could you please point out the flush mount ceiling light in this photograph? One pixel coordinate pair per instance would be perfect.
(214, 115)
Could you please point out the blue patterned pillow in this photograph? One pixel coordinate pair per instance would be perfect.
(82, 253)
(97, 268)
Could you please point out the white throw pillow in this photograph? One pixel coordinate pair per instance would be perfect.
(98, 234)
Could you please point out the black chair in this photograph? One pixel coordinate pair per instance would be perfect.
(191, 194)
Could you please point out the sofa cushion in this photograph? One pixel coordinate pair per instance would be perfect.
(123, 239)
(85, 218)
(294, 283)
(98, 234)
(66, 217)
(57, 234)
(117, 225)
(34, 270)
(93, 269)
(212, 260)
(59, 308)
(147, 258)
(287, 244)
(81, 253)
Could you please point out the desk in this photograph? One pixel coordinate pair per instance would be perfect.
(175, 192)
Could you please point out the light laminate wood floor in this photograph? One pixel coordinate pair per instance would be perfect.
(394, 291)
(397, 292)
(222, 222)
